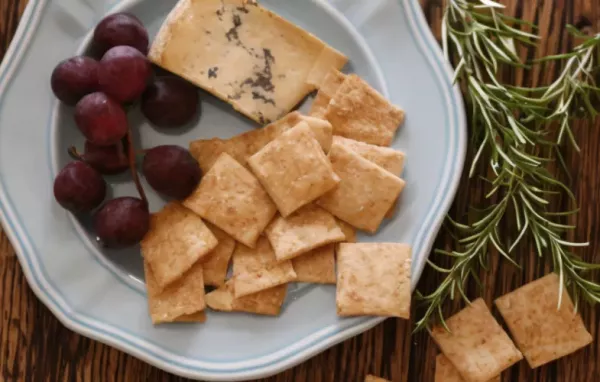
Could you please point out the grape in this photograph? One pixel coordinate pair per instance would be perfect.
(170, 102)
(74, 78)
(120, 29)
(107, 160)
(101, 120)
(124, 73)
(122, 222)
(79, 188)
(171, 171)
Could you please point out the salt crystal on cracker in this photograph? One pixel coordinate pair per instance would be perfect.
(366, 191)
(374, 279)
(476, 345)
(293, 169)
(359, 112)
(541, 331)
(231, 198)
(177, 239)
(183, 297)
(257, 269)
(308, 228)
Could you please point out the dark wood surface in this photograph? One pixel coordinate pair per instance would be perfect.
(34, 346)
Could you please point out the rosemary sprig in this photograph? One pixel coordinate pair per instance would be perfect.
(513, 129)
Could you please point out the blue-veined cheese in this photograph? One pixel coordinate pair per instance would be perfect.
(260, 63)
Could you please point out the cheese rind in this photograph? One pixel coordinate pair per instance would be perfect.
(260, 63)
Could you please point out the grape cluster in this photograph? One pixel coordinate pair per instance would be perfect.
(98, 90)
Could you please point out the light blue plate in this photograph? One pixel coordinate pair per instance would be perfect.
(100, 295)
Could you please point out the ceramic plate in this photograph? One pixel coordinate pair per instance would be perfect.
(101, 294)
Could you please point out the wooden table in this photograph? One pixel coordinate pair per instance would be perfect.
(34, 346)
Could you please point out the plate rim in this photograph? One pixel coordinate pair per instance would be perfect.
(43, 289)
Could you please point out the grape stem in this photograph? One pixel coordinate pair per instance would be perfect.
(73, 153)
(132, 166)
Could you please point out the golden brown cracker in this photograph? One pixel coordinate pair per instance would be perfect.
(293, 169)
(308, 228)
(359, 112)
(374, 279)
(257, 269)
(446, 372)
(541, 331)
(183, 297)
(316, 266)
(217, 261)
(476, 345)
(366, 191)
(177, 239)
(231, 198)
(330, 85)
(267, 302)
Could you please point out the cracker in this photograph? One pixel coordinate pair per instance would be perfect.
(293, 169)
(190, 318)
(374, 279)
(308, 228)
(330, 85)
(183, 297)
(446, 372)
(243, 146)
(366, 191)
(541, 331)
(267, 302)
(177, 239)
(359, 112)
(231, 198)
(316, 266)
(372, 378)
(476, 345)
(217, 261)
(348, 230)
(385, 157)
(257, 269)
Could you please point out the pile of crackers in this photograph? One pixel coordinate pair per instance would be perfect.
(283, 204)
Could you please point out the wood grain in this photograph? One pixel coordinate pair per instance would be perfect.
(34, 346)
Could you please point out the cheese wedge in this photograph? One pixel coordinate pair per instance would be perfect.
(260, 63)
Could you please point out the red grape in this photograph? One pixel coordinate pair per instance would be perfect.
(107, 160)
(101, 119)
(171, 171)
(124, 73)
(122, 222)
(74, 78)
(170, 102)
(120, 29)
(79, 188)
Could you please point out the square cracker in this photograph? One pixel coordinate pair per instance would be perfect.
(446, 372)
(366, 191)
(316, 266)
(177, 239)
(331, 83)
(359, 112)
(175, 302)
(476, 345)
(293, 169)
(385, 157)
(231, 198)
(243, 146)
(216, 263)
(267, 302)
(257, 269)
(372, 378)
(308, 228)
(374, 279)
(543, 332)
